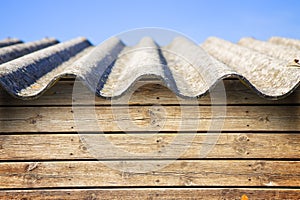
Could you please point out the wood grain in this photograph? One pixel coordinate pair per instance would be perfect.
(229, 145)
(178, 173)
(40, 148)
(154, 193)
(146, 93)
(148, 118)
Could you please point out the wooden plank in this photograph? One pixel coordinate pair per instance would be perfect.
(147, 93)
(150, 118)
(229, 145)
(154, 193)
(238, 173)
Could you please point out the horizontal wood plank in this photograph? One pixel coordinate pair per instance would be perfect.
(229, 145)
(155, 193)
(178, 173)
(149, 118)
(146, 93)
(53, 113)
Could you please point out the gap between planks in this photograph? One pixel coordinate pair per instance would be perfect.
(154, 193)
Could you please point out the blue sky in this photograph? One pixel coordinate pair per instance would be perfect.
(99, 19)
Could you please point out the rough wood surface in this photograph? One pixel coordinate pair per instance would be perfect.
(151, 118)
(147, 93)
(154, 193)
(229, 145)
(178, 173)
(272, 158)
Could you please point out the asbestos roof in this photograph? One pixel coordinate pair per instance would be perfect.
(271, 68)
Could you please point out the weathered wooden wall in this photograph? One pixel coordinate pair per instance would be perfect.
(256, 156)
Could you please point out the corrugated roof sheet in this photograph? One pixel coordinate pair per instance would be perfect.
(9, 41)
(270, 67)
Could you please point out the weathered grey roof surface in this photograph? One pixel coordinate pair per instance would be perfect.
(270, 67)
(9, 41)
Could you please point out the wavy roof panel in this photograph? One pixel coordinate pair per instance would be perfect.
(271, 68)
